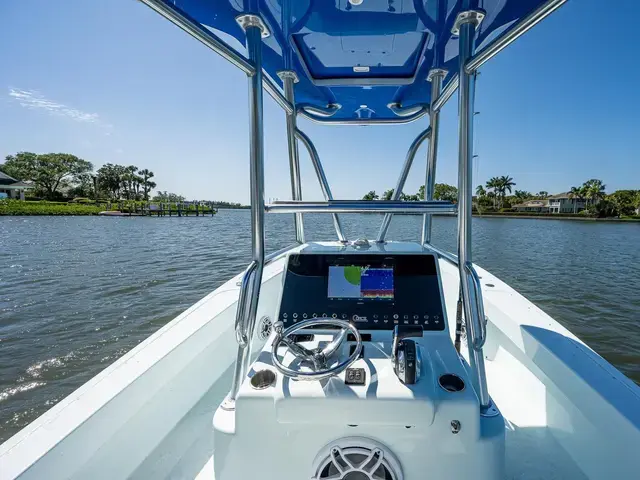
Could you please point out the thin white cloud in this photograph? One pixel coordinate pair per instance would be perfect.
(34, 100)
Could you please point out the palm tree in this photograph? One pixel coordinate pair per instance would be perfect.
(505, 183)
(594, 190)
(493, 184)
(542, 194)
(480, 191)
(577, 194)
(522, 195)
(147, 185)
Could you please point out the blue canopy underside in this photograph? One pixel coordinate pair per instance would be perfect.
(362, 57)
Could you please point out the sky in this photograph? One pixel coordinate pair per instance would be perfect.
(113, 82)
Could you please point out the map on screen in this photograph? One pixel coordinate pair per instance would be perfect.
(360, 282)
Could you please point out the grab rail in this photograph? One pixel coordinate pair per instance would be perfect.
(363, 206)
(472, 276)
(474, 280)
(241, 320)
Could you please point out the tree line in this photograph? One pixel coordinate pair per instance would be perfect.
(498, 194)
(442, 191)
(59, 176)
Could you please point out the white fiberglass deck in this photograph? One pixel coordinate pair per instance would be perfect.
(569, 414)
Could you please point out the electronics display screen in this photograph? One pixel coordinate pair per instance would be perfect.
(362, 282)
(373, 291)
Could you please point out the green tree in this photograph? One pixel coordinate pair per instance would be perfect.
(168, 197)
(503, 184)
(110, 179)
(624, 202)
(522, 195)
(48, 171)
(83, 186)
(21, 166)
(388, 194)
(480, 191)
(442, 191)
(593, 190)
(492, 185)
(409, 198)
(542, 194)
(147, 184)
(371, 195)
(577, 194)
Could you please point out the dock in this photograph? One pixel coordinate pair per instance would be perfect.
(160, 209)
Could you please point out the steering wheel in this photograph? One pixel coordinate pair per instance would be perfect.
(318, 358)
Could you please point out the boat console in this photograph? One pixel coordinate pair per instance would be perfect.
(359, 376)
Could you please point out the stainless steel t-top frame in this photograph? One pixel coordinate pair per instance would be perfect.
(464, 81)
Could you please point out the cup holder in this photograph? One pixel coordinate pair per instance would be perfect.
(451, 383)
(263, 379)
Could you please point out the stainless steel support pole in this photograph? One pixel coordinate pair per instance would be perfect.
(322, 179)
(397, 193)
(288, 79)
(446, 93)
(500, 43)
(436, 76)
(465, 191)
(256, 172)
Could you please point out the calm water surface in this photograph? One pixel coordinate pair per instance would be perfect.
(77, 293)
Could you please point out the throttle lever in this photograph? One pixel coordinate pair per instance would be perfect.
(405, 354)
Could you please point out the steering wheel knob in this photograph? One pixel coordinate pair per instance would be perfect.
(317, 358)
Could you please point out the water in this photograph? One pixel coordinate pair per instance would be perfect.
(76, 293)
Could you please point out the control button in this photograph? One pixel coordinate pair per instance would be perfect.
(415, 317)
(406, 322)
(356, 318)
(386, 316)
(415, 321)
(355, 376)
(406, 316)
(324, 314)
(314, 315)
(333, 315)
(386, 321)
(426, 317)
(395, 321)
(344, 315)
(375, 321)
(304, 315)
(395, 316)
(295, 315)
(375, 316)
(436, 317)
(285, 315)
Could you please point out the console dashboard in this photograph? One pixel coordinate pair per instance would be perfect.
(373, 291)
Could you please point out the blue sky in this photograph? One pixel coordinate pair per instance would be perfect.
(111, 81)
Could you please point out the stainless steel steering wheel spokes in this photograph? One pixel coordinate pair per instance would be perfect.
(319, 359)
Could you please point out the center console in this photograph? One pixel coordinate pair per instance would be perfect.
(405, 400)
(373, 291)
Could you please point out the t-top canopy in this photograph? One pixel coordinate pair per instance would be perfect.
(360, 55)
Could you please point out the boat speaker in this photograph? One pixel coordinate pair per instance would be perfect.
(356, 458)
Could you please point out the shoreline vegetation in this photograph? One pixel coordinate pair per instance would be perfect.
(63, 184)
(590, 201)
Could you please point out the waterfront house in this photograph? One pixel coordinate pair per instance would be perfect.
(12, 188)
(538, 206)
(564, 203)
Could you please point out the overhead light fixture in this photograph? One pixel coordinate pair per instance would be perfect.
(356, 2)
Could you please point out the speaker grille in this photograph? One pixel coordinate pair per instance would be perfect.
(356, 459)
